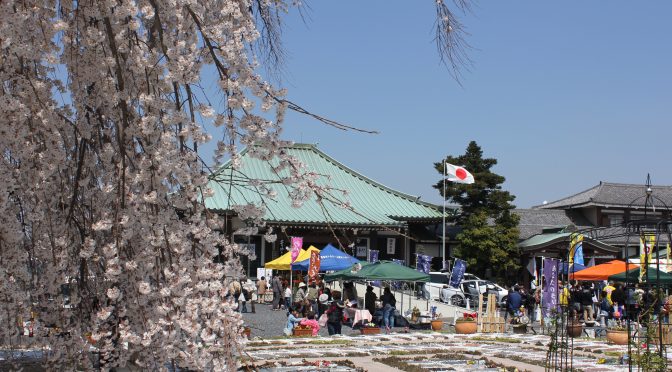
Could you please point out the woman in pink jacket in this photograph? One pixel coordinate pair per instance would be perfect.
(312, 323)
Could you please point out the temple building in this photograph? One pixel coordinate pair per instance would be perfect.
(376, 217)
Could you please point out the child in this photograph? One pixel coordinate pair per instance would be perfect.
(312, 323)
(292, 320)
(288, 299)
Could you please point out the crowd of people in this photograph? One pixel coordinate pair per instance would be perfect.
(591, 302)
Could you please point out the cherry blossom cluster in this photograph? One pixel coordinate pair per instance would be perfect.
(104, 237)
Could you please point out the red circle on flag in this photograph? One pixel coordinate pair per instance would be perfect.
(461, 173)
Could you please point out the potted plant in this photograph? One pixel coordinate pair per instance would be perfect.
(467, 324)
(302, 331)
(574, 327)
(437, 323)
(616, 330)
(370, 329)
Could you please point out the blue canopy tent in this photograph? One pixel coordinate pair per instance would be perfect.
(331, 259)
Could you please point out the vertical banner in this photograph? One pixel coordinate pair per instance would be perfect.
(423, 263)
(532, 268)
(458, 272)
(397, 285)
(373, 255)
(576, 249)
(550, 290)
(646, 244)
(297, 244)
(314, 267)
(669, 257)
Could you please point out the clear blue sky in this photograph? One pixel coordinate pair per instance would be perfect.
(563, 94)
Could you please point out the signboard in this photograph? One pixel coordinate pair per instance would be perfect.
(361, 251)
(391, 244)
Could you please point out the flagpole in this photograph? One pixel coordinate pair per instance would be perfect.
(443, 227)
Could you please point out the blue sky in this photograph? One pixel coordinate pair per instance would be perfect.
(563, 94)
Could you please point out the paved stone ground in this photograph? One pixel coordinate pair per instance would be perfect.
(525, 352)
(269, 324)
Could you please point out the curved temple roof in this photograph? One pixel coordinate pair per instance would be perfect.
(373, 204)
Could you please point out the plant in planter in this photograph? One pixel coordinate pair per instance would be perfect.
(574, 327)
(437, 323)
(303, 331)
(467, 324)
(617, 332)
(369, 329)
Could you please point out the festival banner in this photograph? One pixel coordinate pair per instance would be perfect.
(575, 243)
(297, 244)
(423, 263)
(668, 256)
(314, 267)
(459, 269)
(646, 244)
(397, 285)
(550, 290)
(373, 255)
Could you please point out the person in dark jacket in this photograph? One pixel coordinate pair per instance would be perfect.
(586, 298)
(370, 300)
(618, 298)
(389, 305)
(335, 315)
(513, 301)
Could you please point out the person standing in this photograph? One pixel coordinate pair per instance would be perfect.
(251, 295)
(261, 289)
(300, 294)
(334, 317)
(587, 303)
(370, 300)
(276, 287)
(389, 305)
(311, 296)
(513, 302)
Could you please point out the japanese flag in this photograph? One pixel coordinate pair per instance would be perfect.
(458, 174)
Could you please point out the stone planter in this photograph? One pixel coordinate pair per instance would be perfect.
(303, 332)
(437, 324)
(370, 330)
(617, 337)
(520, 328)
(574, 330)
(465, 328)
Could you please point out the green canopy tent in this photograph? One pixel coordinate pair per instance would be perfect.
(381, 270)
(632, 276)
(345, 274)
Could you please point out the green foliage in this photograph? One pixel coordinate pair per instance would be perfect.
(489, 238)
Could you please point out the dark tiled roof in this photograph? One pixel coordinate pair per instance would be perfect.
(533, 221)
(614, 195)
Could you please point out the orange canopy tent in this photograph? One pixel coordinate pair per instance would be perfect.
(603, 271)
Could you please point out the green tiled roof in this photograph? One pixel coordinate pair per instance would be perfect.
(373, 203)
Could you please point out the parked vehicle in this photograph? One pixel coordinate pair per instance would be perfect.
(485, 287)
(438, 291)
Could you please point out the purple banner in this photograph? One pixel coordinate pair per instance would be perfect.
(373, 256)
(549, 299)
